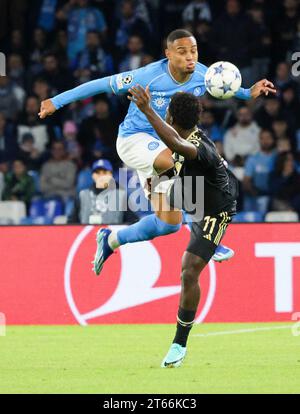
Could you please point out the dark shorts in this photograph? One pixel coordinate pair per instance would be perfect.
(207, 234)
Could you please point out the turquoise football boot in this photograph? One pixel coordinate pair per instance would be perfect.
(174, 357)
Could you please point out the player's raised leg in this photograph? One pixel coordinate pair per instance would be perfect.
(137, 152)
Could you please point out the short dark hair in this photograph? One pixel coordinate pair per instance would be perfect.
(178, 34)
(185, 110)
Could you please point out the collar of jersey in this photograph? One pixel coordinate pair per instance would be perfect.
(178, 83)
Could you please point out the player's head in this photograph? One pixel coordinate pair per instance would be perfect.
(182, 51)
(184, 111)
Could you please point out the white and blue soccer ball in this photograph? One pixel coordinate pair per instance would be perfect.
(223, 80)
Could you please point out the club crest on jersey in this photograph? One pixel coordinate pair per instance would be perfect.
(153, 145)
(197, 91)
(159, 101)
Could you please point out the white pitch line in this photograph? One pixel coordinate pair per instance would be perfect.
(241, 331)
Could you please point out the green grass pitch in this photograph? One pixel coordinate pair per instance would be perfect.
(126, 359)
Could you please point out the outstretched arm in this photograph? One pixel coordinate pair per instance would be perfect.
(49, 106)
(117, 84)
(168, 135)
(262, 87)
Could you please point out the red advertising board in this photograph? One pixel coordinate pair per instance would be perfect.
(46, 277)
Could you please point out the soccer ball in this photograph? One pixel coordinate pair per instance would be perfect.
(223, 80)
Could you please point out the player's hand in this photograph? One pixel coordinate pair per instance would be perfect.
(47, 108)
(141, 97)
(263, 87)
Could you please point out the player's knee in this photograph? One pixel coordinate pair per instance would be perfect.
(189, 278)
(166, 228)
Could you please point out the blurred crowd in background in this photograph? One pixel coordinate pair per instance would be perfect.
(54, 45)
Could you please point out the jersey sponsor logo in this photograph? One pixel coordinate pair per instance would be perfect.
(153, 145)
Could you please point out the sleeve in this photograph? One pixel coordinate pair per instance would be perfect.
(121, 82)
(117, 84)
(244, 94)
(249, 167)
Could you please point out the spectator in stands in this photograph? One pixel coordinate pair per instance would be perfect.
(283, 145)
(19, 185)
(30, 122)
(242, 139)
(11, 98)
(16, 70)
(261, 53)
(57, 78)
(270, 111)
(8, 142)
(103, 202)
(80, 20)
(37, 52)
(46, 18)
(212, 129)
(285, 184)
(130, 24)
(98, 133)
(58, 174)
(29, 154)
(258, 169)
(202, 33)
(72, 146)
(60, 48)
(233, 39)
(290, 106)
(196, 11)
(134, 56)
(41, 89)
(286, 29)
(93, 62)
(283, 78)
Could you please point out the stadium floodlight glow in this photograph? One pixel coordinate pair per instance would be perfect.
(2, 324)
(2, 64)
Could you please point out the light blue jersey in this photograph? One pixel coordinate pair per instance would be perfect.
(162, 87)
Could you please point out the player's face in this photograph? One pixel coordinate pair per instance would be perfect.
(183, 54)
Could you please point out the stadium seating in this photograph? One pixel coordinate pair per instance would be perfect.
(285, 216)
(47, 208)
(84, 180)
(11, 212)
(60, 220)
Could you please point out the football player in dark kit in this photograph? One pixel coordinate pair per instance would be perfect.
(199, 158)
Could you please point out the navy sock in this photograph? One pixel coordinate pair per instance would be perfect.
(185, 320)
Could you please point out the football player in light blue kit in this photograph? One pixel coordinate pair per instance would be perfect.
(138, 144)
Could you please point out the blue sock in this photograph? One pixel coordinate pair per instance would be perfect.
(146, 229)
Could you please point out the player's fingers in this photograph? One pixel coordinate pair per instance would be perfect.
(267, 90)
(268, 83)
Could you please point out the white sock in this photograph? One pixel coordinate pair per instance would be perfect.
(113, 241)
